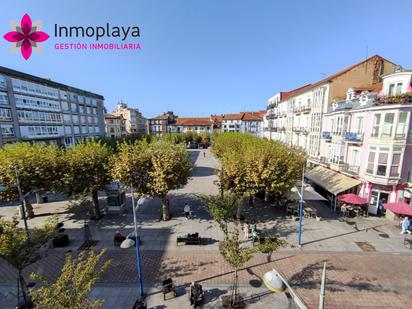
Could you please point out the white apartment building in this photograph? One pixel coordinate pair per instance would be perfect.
(295, 117)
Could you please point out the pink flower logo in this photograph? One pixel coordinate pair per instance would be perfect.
(26, 36)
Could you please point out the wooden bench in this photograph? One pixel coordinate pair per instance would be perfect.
(189, 239)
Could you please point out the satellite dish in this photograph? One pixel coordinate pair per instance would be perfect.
(127, 243)
(273, 282)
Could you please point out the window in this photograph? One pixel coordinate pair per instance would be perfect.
(2, 82)
(359, 125)
(4, 98)
(7, 130)
(355, 158)
(84, 129)
(74, 107)
(76, 129)
(23, 101)
(67, 118)
(75, 118)
(5, 114)
(391, 91)
(396, 158)
(401, 127)
(68, 130)
(388, 125)
(376, 125)
(65, 106)
(382, 163)
(371, 161)
(96, 129)
(82, 119)
(398, 88)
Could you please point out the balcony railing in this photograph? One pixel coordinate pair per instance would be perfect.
(351, 169)
(353, 137)
(306, 109)
(326, 135)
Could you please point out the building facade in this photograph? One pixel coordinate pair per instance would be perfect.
(159, 125)
(295, 117)
(115, 125)
(368, 136)
(135, 122)
(197, 125)
(244, 122)
(38, 109)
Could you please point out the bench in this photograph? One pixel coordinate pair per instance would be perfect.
(168, 287)
(189, 239)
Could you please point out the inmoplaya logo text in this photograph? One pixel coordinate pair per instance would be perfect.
(26, 37)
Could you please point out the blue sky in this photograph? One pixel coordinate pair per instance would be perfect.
(211, 56)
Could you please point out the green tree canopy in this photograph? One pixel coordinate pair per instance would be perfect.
(153, 169)
(73, 286)
(21, 250)
(86, 171)
(38, 167)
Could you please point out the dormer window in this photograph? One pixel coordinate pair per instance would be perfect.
(395, 89)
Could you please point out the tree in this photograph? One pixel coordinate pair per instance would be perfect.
(73, 286)
(21, 250)
(86, 171)
(37, 165)
(171, 168)
(152, 169)
(223, 210)
(250, 165)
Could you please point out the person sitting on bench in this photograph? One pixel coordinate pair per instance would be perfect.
(196, 293)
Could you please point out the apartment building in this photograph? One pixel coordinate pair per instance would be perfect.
(197, 125)
(115, 125)
(135, 122)
(368, 137)
(295, 117)
(38, 109)
(159, 125)
(245, 122)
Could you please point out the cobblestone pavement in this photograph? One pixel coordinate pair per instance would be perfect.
(372, 280)
(379, 278)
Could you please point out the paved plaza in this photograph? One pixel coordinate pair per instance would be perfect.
(367, 263)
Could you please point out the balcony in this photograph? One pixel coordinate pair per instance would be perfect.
(327, 136)
(351, 169)
(306, 109)
(282, 129)
(354, 137)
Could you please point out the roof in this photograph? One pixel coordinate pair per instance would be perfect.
(285, 95)
(330, 180)
(237, 116)
(162, 117)
(333, 76)
(193, 121)
(48, 82)
(111, 116)
(252, 116)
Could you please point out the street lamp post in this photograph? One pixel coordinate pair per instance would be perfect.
(301, 208)
(139, 267)
(21, 197)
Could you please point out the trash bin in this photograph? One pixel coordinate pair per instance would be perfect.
(45, 198)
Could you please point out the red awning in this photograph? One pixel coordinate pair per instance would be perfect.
(352, 198)
(400, 208)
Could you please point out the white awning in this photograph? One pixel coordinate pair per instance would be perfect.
(309, 194)
(330, 180)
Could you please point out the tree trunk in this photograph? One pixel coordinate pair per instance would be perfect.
(239, 210)
(38, 198)
(165, 208)
(24, 291)
(96, 209)
(234, 291)
(28, 208)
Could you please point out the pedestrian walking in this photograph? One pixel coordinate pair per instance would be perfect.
(246, 228)
(187, 211)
